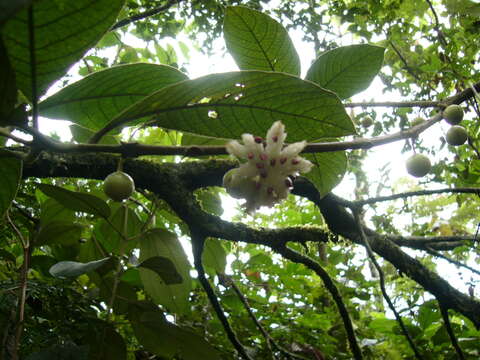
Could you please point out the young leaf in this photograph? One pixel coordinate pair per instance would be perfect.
(328, 170)
(347, 70)
(230, 104)
(164, 267)
(93, 101)
(76, 200)
(258, 42)
(66, 269)
(63, 33)
(159, 242)
(11, 170)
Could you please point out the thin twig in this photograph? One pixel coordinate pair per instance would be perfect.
(4, 132)
(414, 193)
(396, 104)
(198, 242)
(228, 281)
(144, 14)
(33, 66)
(366, 243)
(441, 37)
(451, 334)
(296, 257)
(450, 260)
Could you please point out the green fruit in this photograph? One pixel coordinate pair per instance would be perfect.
(417, 121)
(118, 186)
(418, 165)
(367, 122)
(456, 135)
(453, 114)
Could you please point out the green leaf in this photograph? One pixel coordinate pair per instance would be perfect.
(59, 233)
(347, 70)
(111, 238)
(82, 135)
(159, 242)
(11, 170)
(63, 33)
(328, 171)
(258, 42)
(93, 101)
(214, 255)
(9, 8)
(210, 201)
(77, 201)
(105, 344)
(68, 351)
(164, 267)
(66, 269)
(167, 340)
(8, 88)
(52, 210)
(230, 104)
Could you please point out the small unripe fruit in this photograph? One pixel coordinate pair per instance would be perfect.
(417, 121)
(456, 135)
(453, 114)
(367, 121)
(118, 186)
(418, 165)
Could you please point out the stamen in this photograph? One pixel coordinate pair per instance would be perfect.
(258, 139)
(295, 161)
(275, 138)
(260, 165)
(250, 156)
(273, 162)
(263, 156)
(283, 160)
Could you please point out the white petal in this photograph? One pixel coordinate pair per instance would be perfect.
(275, 137)
(236, 149)
(294, 149)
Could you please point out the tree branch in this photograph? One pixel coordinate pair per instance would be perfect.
(198, 242)
(451, 334)
(144, 14)
(296, 257)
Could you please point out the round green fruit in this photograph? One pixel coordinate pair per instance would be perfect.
(453, 114)
(367, 122)
(456, 135)
(417, 121)
(118, 186)
(418, 165)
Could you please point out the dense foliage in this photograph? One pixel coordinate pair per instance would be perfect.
(172, 271)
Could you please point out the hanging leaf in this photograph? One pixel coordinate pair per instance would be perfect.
(93, 101)
(347, 70)
(59, 233)
(230, 104)
(63, 31)
(159, 242)
(258, 42)
(328, 171)
(168, 340)
(76, 200)
(164, 267)
(11, 170)
(66, 269)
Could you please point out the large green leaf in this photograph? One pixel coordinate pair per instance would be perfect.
(63, 31)
(93, 101)
(258, 42)
(164, 267)
(77, 201)
(214, 255)
(167, 340)
(8, 88)
(159, 242)
(347, 70)
(59, 233)
(11, 170)
(230, 104)
(328, 170)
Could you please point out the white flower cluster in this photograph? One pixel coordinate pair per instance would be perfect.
(264, 179)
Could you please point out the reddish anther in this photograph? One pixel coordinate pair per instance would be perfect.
(273, 162)
(269, 190)
(275, 138)
(295, 161)
(288, 183)
(250, 156)
(283, 160)
(258, 139)
(263, 174)
(260, 165)
(263, 156)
